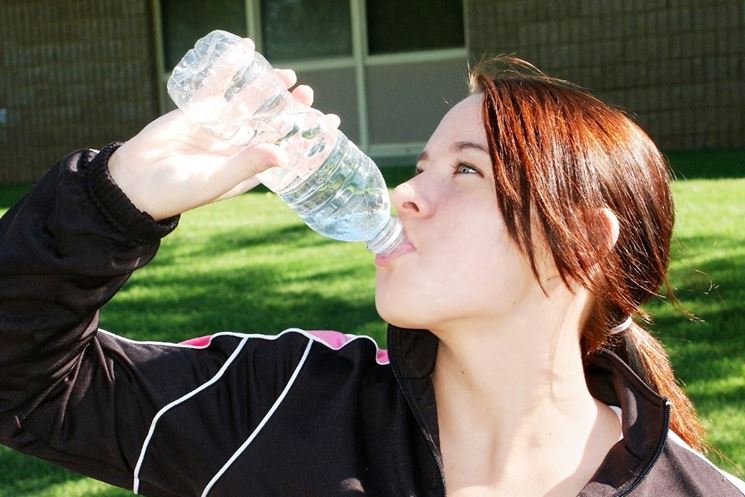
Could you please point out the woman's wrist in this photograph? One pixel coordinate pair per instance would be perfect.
(125, 179)
(115, 203)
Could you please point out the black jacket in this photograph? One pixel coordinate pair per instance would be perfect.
(297, 414)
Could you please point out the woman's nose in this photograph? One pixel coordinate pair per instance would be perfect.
(408, 201)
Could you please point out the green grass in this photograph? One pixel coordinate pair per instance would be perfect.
(250, 265)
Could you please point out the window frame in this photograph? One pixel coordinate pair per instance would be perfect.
(359, 60)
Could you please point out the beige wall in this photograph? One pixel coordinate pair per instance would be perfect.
(73, 73)
(335, 91)
(678, 65)
(407, 100)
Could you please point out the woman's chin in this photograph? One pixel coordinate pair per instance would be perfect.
(403, 306)
(399, 316)
(391, 314)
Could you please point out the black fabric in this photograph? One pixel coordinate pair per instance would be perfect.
(255, 415)
(138, 227)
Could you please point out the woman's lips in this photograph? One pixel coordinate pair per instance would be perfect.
(384, 260)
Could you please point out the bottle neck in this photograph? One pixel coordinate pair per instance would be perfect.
(388, 239)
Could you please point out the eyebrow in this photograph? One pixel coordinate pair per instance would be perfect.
(458, 147)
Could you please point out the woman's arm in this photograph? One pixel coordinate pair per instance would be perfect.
(65, 249)
(90, 400)
(137, 415)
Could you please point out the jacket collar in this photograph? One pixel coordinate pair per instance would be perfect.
(645, 415)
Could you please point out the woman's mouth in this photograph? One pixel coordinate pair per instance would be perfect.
(404, 248)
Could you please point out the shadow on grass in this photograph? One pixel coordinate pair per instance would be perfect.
(288, 237)
(704, 366)
(707, 164)
(23, 475)
(252, 301)
(708, 359)
(9, 194)
(701, 271)
(709, 356)
(260, 297)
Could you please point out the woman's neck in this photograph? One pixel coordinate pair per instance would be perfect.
(508, 388)
(513, 396)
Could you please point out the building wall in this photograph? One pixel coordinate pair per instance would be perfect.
(678, 65)
(82, 73)
(73, 73)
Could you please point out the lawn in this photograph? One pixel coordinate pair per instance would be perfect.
(249, 265)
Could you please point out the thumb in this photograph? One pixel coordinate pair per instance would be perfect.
(252, 160)
(239, 172)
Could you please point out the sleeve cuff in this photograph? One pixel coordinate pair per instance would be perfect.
(136, 226)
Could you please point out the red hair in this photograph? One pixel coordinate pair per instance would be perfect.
(559, 155)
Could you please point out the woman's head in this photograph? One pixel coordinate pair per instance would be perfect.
(555, 163)
(529, 181)
(560, 156)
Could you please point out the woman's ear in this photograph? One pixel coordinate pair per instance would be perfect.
(610, 225)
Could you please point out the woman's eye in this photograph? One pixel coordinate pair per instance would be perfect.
(461, 168)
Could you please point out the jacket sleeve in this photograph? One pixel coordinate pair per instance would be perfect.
(94, 402)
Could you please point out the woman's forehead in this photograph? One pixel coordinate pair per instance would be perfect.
(469, 105)
(462, 122)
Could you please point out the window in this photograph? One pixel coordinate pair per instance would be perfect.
(361, 56)
(305, 29)
(185, 21)
(294, 30)
(413, 25)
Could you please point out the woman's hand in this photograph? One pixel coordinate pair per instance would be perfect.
(174, 164)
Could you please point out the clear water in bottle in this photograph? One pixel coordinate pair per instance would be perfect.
(229, 88)
(343, 198)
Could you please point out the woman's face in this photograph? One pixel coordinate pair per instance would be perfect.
(462, 265)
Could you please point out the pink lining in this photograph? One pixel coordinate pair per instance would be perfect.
(332, 339)
(336, 340)
(198, 341)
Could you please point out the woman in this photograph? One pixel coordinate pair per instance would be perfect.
(538, 222)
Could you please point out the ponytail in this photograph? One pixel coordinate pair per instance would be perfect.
(648, 359)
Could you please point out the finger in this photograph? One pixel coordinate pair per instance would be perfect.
(229, 176)
(252, 160)
(287, 76)
(333, 121)
(241, 187)
(249, 44)
(303, 94)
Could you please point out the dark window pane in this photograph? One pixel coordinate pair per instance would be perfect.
(412, 25)
(305, 29)
(185, 21)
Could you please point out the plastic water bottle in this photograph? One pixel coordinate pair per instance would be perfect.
(227, 86)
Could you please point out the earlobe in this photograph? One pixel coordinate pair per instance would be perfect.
(610, 225)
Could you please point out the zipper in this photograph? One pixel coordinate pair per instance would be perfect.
(657, 451)
(422, 426)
